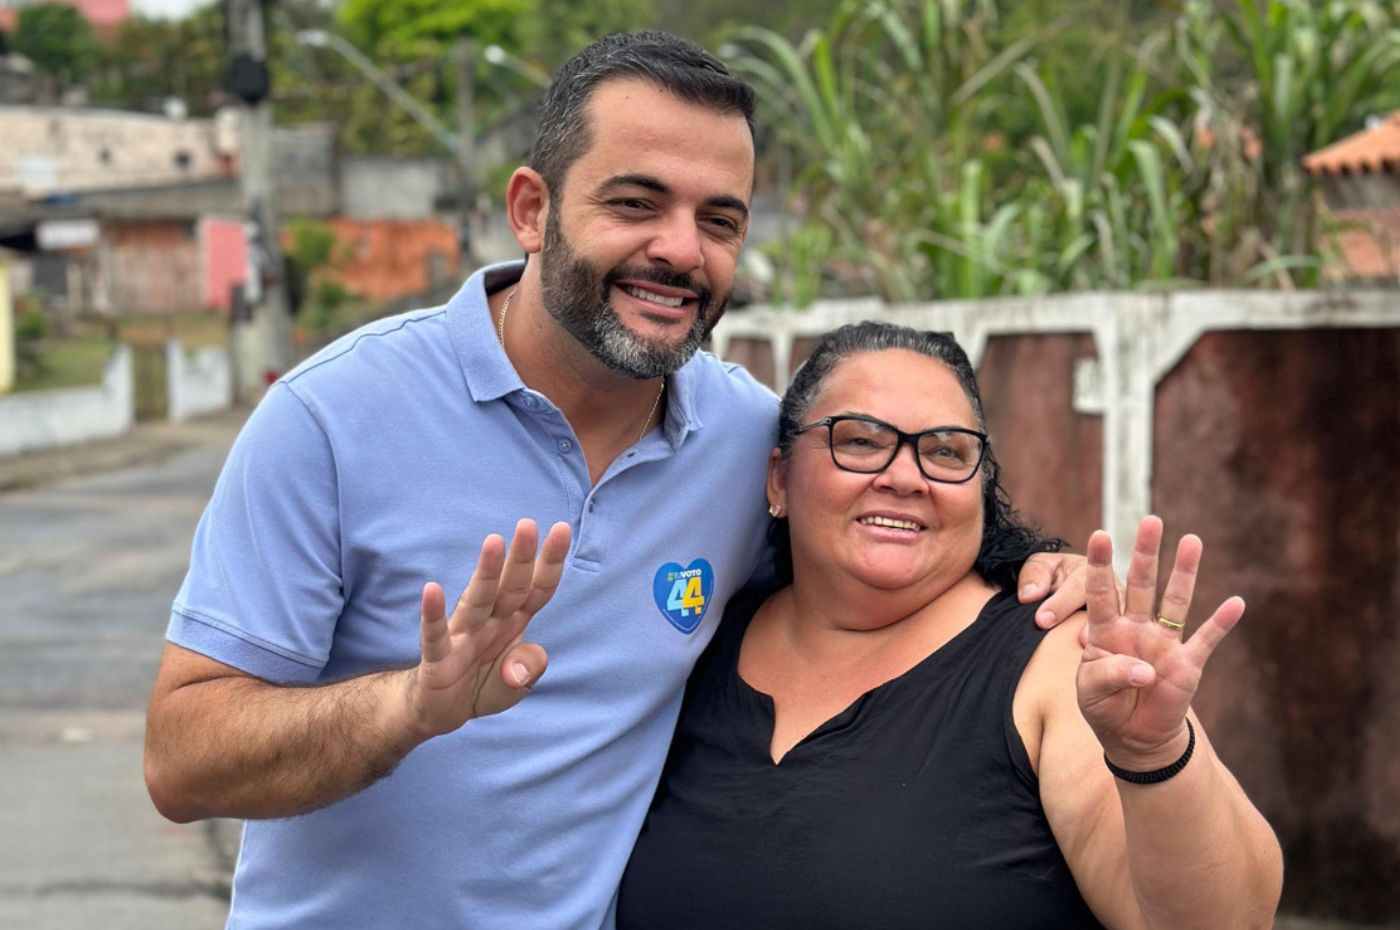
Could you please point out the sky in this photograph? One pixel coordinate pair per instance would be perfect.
(168, 8)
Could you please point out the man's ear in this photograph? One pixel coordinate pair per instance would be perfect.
(777, 482)
(527, 208)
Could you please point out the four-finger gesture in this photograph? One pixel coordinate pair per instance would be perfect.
(474, 662)
(1137, 677)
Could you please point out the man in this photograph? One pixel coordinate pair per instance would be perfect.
(296, 677)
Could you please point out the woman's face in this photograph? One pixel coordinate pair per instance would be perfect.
(835, 516)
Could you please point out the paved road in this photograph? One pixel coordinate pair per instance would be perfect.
(88, 566)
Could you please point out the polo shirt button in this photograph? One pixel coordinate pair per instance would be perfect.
(565, 445)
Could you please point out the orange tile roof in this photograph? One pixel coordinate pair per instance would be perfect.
(1372, 150)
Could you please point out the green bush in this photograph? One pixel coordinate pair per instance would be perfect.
(325, 311)
(313, 245)
(954, 148)
(31, 325)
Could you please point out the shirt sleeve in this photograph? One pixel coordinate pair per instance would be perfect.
(263, 592)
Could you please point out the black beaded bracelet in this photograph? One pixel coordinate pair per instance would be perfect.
(1157, 776)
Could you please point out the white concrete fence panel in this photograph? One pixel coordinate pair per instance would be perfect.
(197, 382)
(40, 419)
(1139, 338)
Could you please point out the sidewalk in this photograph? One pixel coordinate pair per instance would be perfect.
(145, 444)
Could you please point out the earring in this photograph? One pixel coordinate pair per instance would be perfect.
(775, 511)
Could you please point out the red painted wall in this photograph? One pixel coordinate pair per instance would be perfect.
(105, 15)
(223, 249)
(1279, 449)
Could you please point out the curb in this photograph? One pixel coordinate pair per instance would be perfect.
(144, 444)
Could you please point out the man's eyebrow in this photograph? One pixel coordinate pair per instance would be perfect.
(647, 182)
(726, 202)
(644, 181)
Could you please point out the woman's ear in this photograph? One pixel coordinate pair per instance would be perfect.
(527, 208)
(777, 484)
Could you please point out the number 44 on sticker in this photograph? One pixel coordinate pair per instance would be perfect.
(687, 595)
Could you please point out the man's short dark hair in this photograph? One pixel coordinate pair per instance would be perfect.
(671, 63)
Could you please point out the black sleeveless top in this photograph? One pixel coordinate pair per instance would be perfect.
(914, 807)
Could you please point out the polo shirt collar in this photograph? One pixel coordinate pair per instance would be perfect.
(490, 376)
(487, 370)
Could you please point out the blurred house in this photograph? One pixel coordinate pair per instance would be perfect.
(1360, 180)
(119, 212)
(54, 151)
(104, 15)
(17, 81)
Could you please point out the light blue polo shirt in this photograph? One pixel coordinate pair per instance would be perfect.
(381, 463)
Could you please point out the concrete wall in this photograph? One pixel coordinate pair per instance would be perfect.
(39, 419)
(1360, 191)
(305, 160)
(390, 188)
(197, 382)
(1269, 424)
(54, 149)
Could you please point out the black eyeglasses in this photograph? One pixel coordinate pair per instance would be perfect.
(949, 454)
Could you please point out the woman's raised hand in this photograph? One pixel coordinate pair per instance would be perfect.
(1137, 677)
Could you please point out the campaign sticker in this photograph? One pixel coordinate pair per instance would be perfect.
(683, 594)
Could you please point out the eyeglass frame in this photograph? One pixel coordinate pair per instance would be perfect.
(901, 437)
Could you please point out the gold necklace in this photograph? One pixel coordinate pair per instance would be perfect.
(501, 332)
(651, 413)
(505, 307)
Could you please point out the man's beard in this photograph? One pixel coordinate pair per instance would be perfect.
(576, 295)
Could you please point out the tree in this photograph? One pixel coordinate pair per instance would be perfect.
(150, 60)
(708, 21)
(58, 39)
(557, 29)
(401, 29)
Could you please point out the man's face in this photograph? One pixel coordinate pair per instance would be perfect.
(640, 246)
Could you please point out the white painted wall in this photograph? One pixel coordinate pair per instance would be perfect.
(40, 419)
(7, 330)
(197, 382)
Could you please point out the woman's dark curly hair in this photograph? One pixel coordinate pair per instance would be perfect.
(1006, 541)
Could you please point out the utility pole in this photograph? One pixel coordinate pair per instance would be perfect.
(464, 53)
(262, 341)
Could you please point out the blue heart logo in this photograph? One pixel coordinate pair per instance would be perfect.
(683, 594)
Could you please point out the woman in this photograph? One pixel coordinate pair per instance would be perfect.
(889, 740)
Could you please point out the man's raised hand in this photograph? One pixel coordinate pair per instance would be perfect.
(474, 662)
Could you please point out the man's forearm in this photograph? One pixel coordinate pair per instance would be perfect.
(239, 747)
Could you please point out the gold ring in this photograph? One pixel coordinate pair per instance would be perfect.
(1170, 624)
